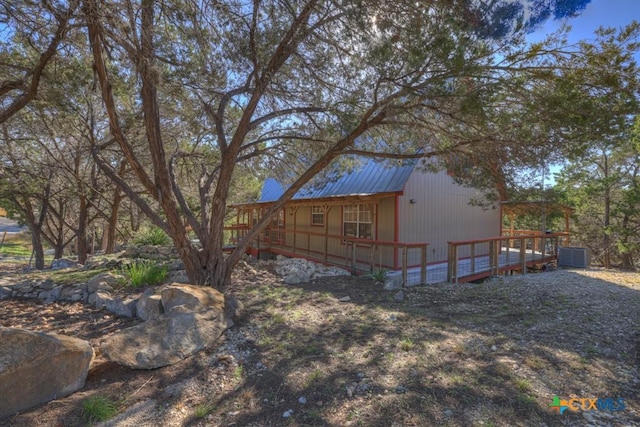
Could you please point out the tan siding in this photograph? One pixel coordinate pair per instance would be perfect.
(442, 213)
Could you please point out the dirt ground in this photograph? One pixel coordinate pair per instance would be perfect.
(489, 354)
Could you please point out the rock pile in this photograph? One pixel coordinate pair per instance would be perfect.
(182, 320)
(298, 270)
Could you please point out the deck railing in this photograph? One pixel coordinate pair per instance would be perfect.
(355, 254)
(488, 257)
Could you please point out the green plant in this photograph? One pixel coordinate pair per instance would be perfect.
(142, 273)
(151, 236)
(380, 276)
(314, 377)
(204, 409)
(98, 408)
(407, 344)
(238, 372)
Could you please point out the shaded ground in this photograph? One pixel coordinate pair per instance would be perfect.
(492, 354)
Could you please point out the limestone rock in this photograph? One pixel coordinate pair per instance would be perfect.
(61, 263)
(36, 368)
(149, 305)
(194, 298)
(178, 276)
(163, 341)
(298, 270)
(103, 282)
(393, 283)
(182, 320)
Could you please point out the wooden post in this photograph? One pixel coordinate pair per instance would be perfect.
(512, 227)
(404, 266)
(473, 257)
(423, 264)
(295, 226)
(353, 258)
(492, 256)
(508, 246)
(566, 228)
(327, 208)
(452, 263)
(523, 255)
(372, 250)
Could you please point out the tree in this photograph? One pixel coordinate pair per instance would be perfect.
(278, 78)
(604, 185)
(294, 83)
(32, 34)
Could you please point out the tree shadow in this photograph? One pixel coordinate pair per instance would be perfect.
(446, 355)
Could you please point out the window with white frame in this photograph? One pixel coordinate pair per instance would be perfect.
(277, 224)
(357, 221)
(317, 215)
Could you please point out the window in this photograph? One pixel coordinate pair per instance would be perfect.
(357, 220)
(317, 215)
(277, 223)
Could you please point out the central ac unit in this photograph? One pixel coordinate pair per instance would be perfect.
(574, 257)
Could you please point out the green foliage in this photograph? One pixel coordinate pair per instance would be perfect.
(603, 183)
(204, 409)
(380, 276)
(151, 236)
(98, 408)
(16, 247)
(144, 273)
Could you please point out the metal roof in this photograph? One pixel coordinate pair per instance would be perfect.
(372, 177)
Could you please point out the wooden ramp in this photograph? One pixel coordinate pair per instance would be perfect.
(477, 259)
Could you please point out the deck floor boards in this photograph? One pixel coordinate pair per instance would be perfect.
(508, 260)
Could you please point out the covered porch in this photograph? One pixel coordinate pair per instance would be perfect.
(516, 250)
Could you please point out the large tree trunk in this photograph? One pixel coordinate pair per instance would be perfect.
(81, 237)
(109, 245)
(38, 249)
(606, 241)
(35, 226)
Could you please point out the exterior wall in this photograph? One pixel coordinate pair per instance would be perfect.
(442, 213)
(309, 240)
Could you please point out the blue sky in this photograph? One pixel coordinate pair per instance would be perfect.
(606, 13)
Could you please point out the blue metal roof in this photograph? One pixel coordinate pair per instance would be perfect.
(369, 178)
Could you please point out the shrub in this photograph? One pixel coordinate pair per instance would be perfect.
(380, 276)
(98, 408)
(145, 272)
(151, 236)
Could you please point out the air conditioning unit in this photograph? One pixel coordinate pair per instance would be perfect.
(574, 257)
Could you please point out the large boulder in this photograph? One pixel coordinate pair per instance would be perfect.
(36, 368)
(189, 319)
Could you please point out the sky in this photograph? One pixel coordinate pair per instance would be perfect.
(606, 13)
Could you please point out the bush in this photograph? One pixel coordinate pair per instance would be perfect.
(98, 408)
(142, 273)
(151, 236)
(380, 276)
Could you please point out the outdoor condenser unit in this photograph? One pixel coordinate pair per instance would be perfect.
(574, 257)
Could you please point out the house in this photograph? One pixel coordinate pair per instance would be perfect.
(381, 215)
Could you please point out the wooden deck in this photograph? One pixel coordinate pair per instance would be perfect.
(508, 260)
(467, 260)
